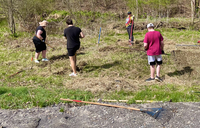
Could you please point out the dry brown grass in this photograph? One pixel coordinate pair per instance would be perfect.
(106, 63)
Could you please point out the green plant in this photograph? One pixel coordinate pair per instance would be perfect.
(62, 109)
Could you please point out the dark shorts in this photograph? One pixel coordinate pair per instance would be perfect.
(39, 45)
(72, 51)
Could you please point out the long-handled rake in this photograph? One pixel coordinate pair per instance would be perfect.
(154, 112)
(50, 45)
(20, 71)
(46, 43)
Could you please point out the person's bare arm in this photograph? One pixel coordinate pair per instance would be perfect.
(162, 45)
(81, 35)
(145, 46)
(133, 17)
(38, 34)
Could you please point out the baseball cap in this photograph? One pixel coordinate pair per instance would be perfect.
(150, 25)
(129, 13)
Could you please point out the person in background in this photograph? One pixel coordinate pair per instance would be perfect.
(153, 44)
(130, 26)
(39, 41)
(72, 34)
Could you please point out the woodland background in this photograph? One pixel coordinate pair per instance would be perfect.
(27, 13)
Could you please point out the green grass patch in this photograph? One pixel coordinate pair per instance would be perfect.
(167, 93)
(159, 93)
(24, 97)
(27, 97)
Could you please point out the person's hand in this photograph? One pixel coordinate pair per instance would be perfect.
(133, 17)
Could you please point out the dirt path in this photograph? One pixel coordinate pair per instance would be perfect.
(174, 115)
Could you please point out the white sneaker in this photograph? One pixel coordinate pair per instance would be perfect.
(73, 74)
(45, 59)
(36, 61)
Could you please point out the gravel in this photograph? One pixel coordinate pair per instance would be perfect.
(173, 115)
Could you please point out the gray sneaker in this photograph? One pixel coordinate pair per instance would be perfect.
(150, 79)
(158, 79)
(45, 59)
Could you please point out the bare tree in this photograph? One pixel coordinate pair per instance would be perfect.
(11, 16)
(193, 2)
(24, 12)
(8, 11)
(137, 10)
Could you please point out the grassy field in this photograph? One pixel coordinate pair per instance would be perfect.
(110, 70)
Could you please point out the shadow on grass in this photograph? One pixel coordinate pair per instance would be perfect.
(60, 57)
(80, 53)
(3, 91)
(64, 56)
(105, 66)
(181, 72)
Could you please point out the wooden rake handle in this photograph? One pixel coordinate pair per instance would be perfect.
(110, 105)
(45, 42)
(49, 45)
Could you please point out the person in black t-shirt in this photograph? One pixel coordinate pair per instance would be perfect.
(72, 34)
(39, 41)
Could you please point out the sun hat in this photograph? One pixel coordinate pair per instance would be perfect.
(150, 25)
(43, 23)
(129, 13)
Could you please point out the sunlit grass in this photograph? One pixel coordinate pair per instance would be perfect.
(45, 83)
(26, 97)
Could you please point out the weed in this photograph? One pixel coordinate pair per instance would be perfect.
(62, 109)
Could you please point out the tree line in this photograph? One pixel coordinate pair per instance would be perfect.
(30, 12)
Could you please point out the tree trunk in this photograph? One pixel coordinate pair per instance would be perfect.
(159, 10)
(137, 9)
(167, 15)
(11, 17)
(195, 5)
(199, 3)
(198, 8)
(192, 11)
(69, 7)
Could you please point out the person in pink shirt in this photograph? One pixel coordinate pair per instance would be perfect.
(153, 44)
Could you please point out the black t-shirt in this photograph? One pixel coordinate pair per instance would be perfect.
(43, 33)
(72, 33)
